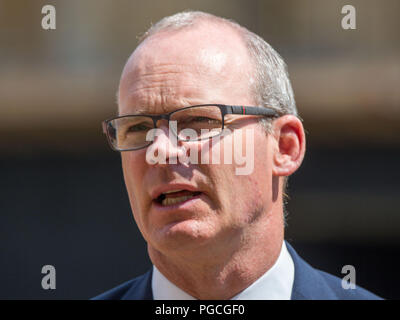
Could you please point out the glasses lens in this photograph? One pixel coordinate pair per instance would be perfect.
(129, 132)
(198, 123)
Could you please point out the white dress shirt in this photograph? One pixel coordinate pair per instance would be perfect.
(275, 284)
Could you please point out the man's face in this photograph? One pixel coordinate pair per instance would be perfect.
(170, 71)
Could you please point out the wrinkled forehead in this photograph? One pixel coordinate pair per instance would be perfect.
(174, 60)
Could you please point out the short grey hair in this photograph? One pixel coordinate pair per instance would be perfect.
(272, 87)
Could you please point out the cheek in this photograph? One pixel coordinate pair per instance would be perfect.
(254, 189)
(134, 163)
(252, 158)
(261, 178)
(133, 167)
(132, 170)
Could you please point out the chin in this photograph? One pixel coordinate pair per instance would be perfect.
(186, 233)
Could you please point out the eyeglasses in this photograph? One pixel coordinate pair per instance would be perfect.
(200, 122)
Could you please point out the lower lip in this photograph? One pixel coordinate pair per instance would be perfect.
(180, 205)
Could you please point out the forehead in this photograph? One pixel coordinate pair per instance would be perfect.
(175, 69)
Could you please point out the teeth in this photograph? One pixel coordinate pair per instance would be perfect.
(171, 201)
(172, 191)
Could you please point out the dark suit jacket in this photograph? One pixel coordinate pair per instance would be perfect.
(309, 283)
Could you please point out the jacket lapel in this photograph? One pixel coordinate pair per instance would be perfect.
(308, 282)
(141, 288)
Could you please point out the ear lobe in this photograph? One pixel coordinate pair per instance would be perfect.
(290, 145)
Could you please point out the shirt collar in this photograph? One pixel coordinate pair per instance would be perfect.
(275, 284)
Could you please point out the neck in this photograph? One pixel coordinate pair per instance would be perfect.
(208, 274)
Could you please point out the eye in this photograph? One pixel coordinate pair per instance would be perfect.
(203, 119)
(140, 127)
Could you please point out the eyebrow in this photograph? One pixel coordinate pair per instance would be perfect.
(188, 103)
(137, 111)
(141, 111)
(145, 111)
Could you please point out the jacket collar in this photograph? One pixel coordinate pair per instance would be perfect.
(141, 288)
(308, 282)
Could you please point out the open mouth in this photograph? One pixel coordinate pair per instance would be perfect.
(175, 196)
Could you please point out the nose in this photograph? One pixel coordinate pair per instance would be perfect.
(165, 149)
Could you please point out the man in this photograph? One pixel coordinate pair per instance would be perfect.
(212, 231)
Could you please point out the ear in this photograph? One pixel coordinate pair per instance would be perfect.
(290, 145)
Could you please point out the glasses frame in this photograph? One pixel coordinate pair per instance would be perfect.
(225, 109)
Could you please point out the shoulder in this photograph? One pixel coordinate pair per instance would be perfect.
(138, 288)
(116, 293)
(311, 283)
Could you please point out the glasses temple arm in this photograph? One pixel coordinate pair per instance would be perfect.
(252, 110)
